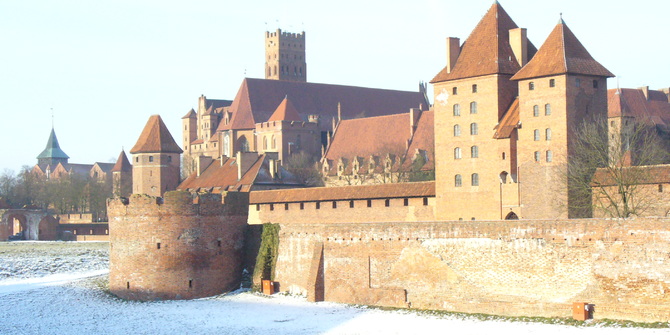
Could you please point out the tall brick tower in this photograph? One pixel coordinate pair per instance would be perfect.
(122, 176)
(559, 89)
(285, 56)
(155, 160)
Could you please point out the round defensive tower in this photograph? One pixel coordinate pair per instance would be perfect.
(182, 246)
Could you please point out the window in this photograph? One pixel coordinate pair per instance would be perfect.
(457, 153)
(351, 204)
(660, 187)
(286, 206)
(151, 158)
(531, 86)
(474, 151)
(473, 129)
(454, 91)
(474, 88)
(458, 180)
(536, 110)
(265, 143)
(457, 110)
(334, 204)
(475, 179)
(387, 202)
(552, 82)
(457, 130)
(473, 107)
(550, 156)
(317, 205)
(547, 134)
(258, 207)
(137, 159)
(405, 202)
(547, 109)
(274, 142)
(595, 84)
(169, 159)
(504, 156)
(537, 156)
(272, 207)
(369, 203)
(578, 82)
(425, 201)
(536, 134)
(302, 205)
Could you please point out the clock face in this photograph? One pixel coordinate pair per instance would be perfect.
(442, 98)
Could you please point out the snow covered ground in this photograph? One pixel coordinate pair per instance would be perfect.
(50, 299)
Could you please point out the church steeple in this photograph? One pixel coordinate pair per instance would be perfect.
(52, 154)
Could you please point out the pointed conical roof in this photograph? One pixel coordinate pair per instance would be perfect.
(122, 163)
(562, 53)
(155, 138)
(52, 149)
(487, 49)
(286, 112)
(190, 114)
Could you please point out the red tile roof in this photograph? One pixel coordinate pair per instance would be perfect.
(423, 139)
(155, 138)
(370, 136)
(190, 114)
(509, 122)
(257, 99)
(487, 49)
(381, 191)
(286, 112)
(633, 102)
(647, 174)
(562, 53)
(122, 163)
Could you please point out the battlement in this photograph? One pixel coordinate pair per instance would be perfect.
(278, 125)
(282, 35)
(180, 203)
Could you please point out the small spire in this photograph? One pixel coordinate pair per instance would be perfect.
(52, 117)
(560, 20)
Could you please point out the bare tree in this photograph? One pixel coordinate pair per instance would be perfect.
(609, 167)
(305, 168)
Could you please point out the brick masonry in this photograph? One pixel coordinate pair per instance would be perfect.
(178, 247)
(533, 268)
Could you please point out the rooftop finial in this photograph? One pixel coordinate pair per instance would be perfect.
(560, 20)
(52, 117)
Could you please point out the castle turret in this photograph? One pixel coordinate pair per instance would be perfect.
(559, 89)
(52, 154)
(190, 130)
(122, 176)
(285, 56)
(155, 160)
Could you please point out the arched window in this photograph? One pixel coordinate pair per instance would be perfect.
(274, 142)
(547, 109)
(457, 153)
(458, 180)
(473, 107)
(265, 143)
(454, 91)
(531, 86)
(457, 110)
(475, 179)
(243, 144)
(503, 177)
(473, 129)
(474, 88)
(536, 134)
(550, 156)
(547, 134)
(536, 110)
(457, 130)
(552, 82)
(474, 151)
(537, 156)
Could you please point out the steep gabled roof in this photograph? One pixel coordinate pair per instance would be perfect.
(370, 136)
(654, 110)
(423, 139)
(53, 149)
(286, 112)
(562, 53)
(155, 138)
(487, 49)
(122, 163)
(257, 99)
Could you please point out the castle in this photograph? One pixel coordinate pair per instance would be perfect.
(504, 118)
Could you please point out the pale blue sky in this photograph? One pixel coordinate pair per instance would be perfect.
(105, 66)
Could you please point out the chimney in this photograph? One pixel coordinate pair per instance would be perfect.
(414, 115)
(667, 92)
(519, 43)
(202, 163)
(453, 51)
(645, 91)
(244, 162)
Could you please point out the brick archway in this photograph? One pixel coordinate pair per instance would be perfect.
(512, 216)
